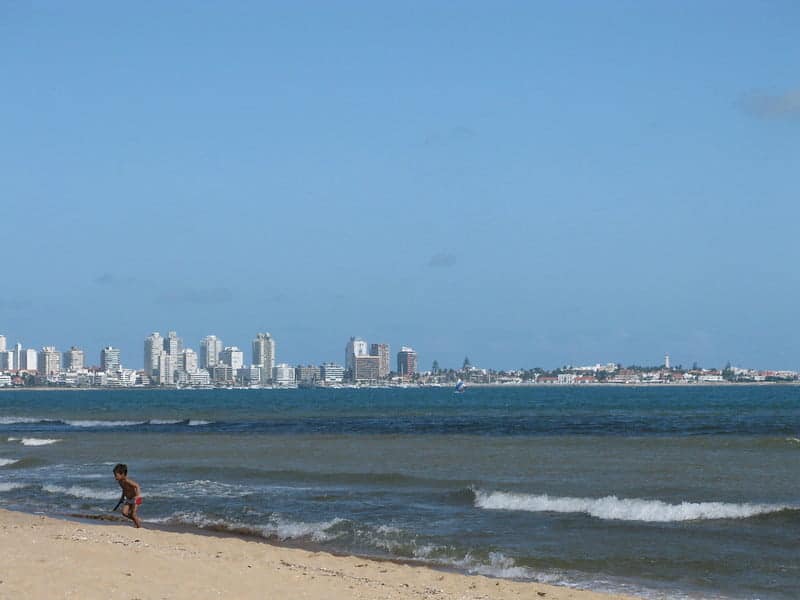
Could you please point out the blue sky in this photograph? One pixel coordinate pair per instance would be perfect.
(526, 183)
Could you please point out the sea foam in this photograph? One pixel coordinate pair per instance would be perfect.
(200, 488)
(7, 487)
(79, 491)
(623, 509)
(92, 423)
(34, 441)
(276, 527)
(4, 462)
(12, 420)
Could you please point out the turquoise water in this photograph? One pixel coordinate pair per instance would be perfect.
(666, 492)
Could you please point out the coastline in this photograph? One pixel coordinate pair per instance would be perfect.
(699, 384)
(43, 557)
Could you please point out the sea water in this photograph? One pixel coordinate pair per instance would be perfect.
(666, 492)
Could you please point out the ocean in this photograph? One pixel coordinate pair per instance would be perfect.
(665, 492)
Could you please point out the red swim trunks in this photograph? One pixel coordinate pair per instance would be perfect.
(137, 501)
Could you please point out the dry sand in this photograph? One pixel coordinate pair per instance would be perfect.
(46, 558)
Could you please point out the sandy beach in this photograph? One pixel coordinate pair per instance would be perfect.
(42, 557)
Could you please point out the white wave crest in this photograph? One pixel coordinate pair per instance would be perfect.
(7, 487)
(35, 441)
(286, 530)
(79, 491)
(198, 422)
(4, 462)
(276, 528)
(498, 565)
(92, 423)
(623, 509)
(164, 421)
(11, 420)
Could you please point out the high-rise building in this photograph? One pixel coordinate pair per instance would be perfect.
(406, 361)
(666, 361)
(167, 365)
(232, 357)
(27, 360)
(109, 359)
(2, 343)
(7, 361)
(18, 359)
(283, 374)
(153, 349)
(331, 373)
(264, 355)
(210, 349)
(355, 347)
(74, 359)
(49, 361)
(188, 361)
(382, 352)
(173, 345)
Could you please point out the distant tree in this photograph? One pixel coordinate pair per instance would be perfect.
(727, 372)
(695, 366)
(435, 367)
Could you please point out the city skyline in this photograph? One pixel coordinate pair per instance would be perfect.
(531, 183)
(364, 348)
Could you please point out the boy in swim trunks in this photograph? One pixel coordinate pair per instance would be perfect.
(131, 497)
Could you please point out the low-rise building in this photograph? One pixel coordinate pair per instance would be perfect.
(331, 373)
(283, 375)
(307, 374)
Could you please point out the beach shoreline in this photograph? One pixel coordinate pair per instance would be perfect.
(48, 557)
(638, 385)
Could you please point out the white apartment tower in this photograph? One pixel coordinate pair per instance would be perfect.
(153, 349)
(109, 358)
(232, 357)
(74, 359)
(188, 361)
(2, 343)
(20, 358)
(173, 345)
(355, 347)
(49, 361)
(666, 362)
(264, 355)
(210, 349)
(27, 359)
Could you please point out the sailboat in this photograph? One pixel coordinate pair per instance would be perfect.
(460, 387)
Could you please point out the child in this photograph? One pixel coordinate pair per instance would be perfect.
(131, 494)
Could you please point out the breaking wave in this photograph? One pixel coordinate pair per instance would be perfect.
(34, 441)
(79, 491)
(12, 420)
(4, 462)
(274, 528)
(7, 487)
(92, 423)
(624, 509)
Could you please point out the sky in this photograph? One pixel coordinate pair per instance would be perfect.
(524, 183)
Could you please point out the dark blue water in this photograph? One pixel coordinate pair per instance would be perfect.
(666, 492)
